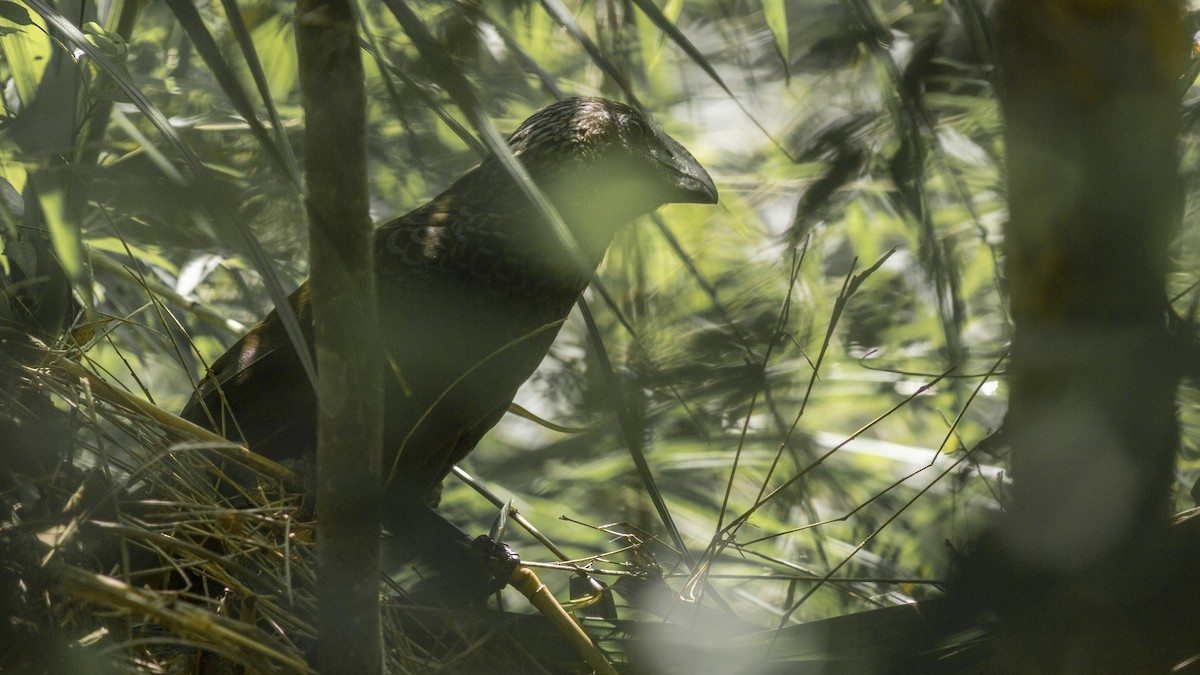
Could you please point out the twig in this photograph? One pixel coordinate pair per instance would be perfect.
(531, 587)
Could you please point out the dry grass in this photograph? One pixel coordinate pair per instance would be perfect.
(140, 552)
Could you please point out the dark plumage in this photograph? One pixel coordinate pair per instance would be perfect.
(472, 289)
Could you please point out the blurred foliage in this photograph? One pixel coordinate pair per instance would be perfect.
(847, 137)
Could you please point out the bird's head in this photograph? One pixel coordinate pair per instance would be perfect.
(602, 163)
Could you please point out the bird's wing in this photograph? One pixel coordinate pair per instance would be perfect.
(261, 378)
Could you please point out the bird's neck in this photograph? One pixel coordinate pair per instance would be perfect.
(591, 216)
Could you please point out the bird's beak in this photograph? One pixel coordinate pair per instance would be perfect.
(688, 181)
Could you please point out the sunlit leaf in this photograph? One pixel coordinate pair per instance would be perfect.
(26, 50)
(67, 240)
(775, 14)
(275, 49)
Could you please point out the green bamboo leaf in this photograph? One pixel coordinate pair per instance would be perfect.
(67, 241)
(12, 208)
(118, 246)
(111, 44)
(776, 17)
(10, 199)
(26, 52)
(270, 54)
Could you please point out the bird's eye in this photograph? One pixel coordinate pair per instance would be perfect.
(637, 129)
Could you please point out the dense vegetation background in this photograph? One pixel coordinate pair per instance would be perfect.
(811, 368)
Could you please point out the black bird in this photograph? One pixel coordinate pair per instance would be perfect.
(472, 289)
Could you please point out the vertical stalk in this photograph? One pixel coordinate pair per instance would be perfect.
(349, 427)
